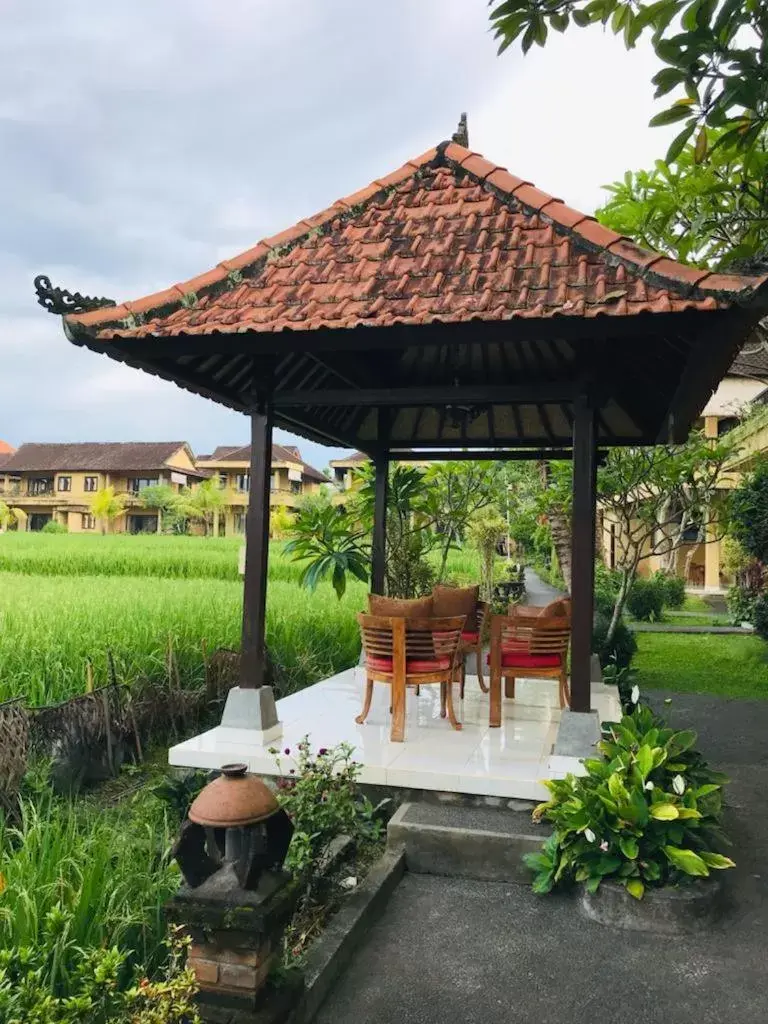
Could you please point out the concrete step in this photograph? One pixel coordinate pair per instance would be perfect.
(467, 842)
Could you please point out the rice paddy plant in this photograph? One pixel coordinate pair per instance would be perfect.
(50, 627)
(76, 877)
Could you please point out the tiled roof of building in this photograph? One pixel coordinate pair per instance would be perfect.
(6, 449)
(448, 237)
(280, 453)
(105, 456)
(752, 360)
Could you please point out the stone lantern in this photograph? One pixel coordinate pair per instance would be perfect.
(236, 900)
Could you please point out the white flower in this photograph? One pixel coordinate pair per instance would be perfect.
(604, 846)
(635, 695)
(678, 784)
(348, 883)
(589, 835)
(649, 785)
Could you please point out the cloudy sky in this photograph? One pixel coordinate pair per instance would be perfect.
(142, 142)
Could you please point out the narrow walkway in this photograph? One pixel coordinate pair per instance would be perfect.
(671, 627)
(537, 592)
(452, 949)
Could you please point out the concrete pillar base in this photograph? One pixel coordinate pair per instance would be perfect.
(578, 733)
(255, 710)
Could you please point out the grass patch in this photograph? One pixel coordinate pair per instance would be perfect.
(726, 665)
(694, 603)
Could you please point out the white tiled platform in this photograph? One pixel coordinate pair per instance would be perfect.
(510, 761)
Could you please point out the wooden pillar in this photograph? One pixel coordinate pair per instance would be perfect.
(379, 546)
(252, 667)
(583, 551)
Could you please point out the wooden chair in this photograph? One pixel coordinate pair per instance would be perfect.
(472, 641)
(410, 652)
(531, 646)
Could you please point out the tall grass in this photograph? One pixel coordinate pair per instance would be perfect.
(50, 626)
(76, 875)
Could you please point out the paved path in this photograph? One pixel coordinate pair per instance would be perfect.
(670, 627)
(537, 592)
(451, 949)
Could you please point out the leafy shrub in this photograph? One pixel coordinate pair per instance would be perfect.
(672, 588)
(741, 603)
(760, 616)
(96, 993)
(53, 527)
(748, 513)
(323, 800)
(606, 588)
(646, 814)
(622, 648)
(646, 599)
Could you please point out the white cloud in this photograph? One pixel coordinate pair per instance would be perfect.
(144, 142)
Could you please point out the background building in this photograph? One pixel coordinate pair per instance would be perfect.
(292, 480)
(57, 482)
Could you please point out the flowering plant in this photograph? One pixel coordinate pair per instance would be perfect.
(322, 797)
(646, 813)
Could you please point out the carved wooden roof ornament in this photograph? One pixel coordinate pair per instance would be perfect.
(61, 302)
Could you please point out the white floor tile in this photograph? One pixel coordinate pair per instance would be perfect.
(509, 761)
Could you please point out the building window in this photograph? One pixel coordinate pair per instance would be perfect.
(64, 483)
(139, 483)
(40, 485)
(239, 522)
(243, 482)
(223, 480)
(295, 487)
(88, 521)
(90, 483)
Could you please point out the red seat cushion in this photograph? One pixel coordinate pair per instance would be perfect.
(413, 665)
(470, 638)
(519, 659)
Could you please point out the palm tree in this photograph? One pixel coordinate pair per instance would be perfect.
(163, 499)
(6, 516)
(205, 502)
(107, 506)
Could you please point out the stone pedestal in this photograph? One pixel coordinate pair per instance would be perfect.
(236, 937)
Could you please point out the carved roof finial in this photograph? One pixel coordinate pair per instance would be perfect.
(61, 302)
(461, 135)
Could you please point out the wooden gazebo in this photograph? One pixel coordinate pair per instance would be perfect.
(451, 307)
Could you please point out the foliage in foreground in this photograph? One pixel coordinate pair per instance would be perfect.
(321, 796)
(646, 814)
(96, 994)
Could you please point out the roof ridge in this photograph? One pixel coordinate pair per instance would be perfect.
(657, 269)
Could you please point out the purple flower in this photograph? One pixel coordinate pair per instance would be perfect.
(287, 751)
(293, 771)
(322, 751)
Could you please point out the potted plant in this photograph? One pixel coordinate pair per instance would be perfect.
(640, 830)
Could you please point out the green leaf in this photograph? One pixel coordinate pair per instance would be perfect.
(702, 145)
(635, 888)
(687, 861)
(651, 870)
(581, 18)
(670, 116)
(644, 758)
(664, 812)
(629, 847)
(717, 860)
(688, 812)
(679, 142)
(593, 884)
(680, 742)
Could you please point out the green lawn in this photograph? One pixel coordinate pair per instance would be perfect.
(730, 666)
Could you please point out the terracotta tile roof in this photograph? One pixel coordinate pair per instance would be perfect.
(6, 449)
(280, 453)
(105, 457)
(448, 237)
(752, 360)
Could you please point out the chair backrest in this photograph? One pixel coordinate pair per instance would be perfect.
(395, 637)
(483, 614)
(534, 634)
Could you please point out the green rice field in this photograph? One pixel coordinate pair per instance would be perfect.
(69, 599)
